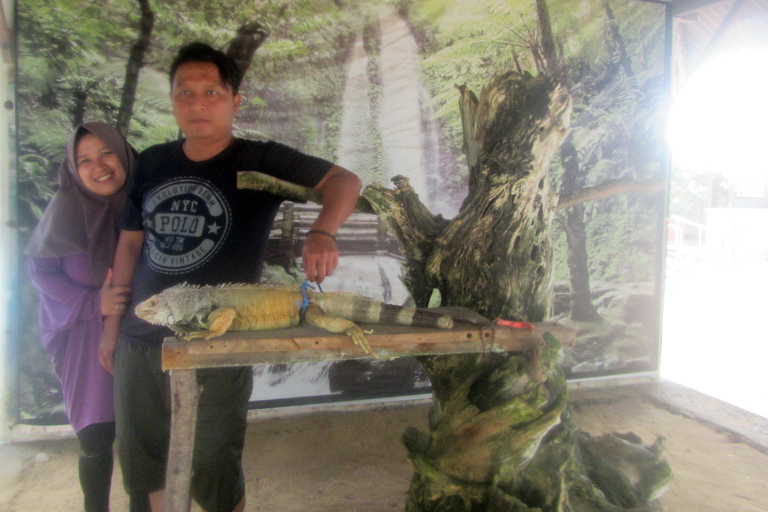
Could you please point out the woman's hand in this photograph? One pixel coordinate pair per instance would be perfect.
(114, 299)
(107, 345)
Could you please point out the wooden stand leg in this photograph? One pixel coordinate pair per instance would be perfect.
(185, 394)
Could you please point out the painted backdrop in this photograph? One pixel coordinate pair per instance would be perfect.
(372, 85)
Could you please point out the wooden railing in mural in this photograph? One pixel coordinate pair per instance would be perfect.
(362, 233)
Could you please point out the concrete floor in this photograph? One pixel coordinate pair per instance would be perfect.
(301, 459)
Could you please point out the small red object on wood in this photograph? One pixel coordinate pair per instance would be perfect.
(517, 325)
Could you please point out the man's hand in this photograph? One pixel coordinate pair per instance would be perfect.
(339, 189)
(113, 299)
(320, 256)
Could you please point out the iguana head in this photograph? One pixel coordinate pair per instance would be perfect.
(156, 310)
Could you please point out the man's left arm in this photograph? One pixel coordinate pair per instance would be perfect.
(340, 189)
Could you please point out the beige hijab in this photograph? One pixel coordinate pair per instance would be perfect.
(77, 220)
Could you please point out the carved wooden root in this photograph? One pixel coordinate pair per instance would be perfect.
(500, 436)
(505, 441)
(484, 430)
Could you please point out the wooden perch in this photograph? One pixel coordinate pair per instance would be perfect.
(253, 180)
(307, 344)
(610, 188)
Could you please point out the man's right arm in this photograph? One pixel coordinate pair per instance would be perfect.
(126, 254)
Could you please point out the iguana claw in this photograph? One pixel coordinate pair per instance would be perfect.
(358, 337)
(319, 318)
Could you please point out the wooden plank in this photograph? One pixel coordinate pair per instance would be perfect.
(307, 343)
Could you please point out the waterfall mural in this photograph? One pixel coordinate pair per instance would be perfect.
(374, 85)
(358, 128)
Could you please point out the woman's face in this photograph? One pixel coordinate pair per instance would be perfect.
(98, 167)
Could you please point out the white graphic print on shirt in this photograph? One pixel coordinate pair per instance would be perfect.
(186, 221)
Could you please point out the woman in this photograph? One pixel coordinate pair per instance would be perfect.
(70, 253)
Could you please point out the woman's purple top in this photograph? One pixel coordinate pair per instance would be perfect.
(70, 325)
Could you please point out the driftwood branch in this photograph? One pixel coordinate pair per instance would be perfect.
(500, 435)
(253, 180)
(185, 395)
(610, 188)
(415, 228)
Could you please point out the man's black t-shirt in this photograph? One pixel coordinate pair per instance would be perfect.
(198, 227)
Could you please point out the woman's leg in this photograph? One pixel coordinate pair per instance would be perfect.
(95, 467)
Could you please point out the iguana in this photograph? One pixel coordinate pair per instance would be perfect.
(209, 311)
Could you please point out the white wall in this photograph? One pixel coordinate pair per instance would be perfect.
(7, 213)
(737, 234)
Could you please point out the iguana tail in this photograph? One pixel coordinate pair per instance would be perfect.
(363, 309)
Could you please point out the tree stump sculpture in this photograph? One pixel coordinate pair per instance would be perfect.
(501, 436)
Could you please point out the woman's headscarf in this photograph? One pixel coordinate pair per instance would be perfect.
(78, 220)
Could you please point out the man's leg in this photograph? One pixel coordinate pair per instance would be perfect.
(156, 500)
(240, 506)
(218, 483)
(142, 415)
(139, 502)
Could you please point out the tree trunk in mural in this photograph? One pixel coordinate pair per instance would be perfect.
(133, 67)
(582, 308)
(242, 48)
(617, 41)
(500, 431)
(77, 112)
(547, 40)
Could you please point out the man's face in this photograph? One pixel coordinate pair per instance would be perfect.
(204, 107)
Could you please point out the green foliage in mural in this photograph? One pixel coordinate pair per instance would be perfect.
(73, 53)
(372, 44)
(71, 63)
(615, 117)
(72, 58)
(298, 76)
(34, 186)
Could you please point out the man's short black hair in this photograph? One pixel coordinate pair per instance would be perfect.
(201, 52)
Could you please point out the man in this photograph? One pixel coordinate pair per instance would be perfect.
(185, 221)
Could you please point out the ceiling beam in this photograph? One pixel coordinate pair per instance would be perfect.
(723, 27)
(686, 7)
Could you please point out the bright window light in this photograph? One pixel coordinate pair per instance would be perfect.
(719, 119)
(714, 305)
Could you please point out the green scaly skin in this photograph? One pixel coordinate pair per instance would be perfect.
(210, 311)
